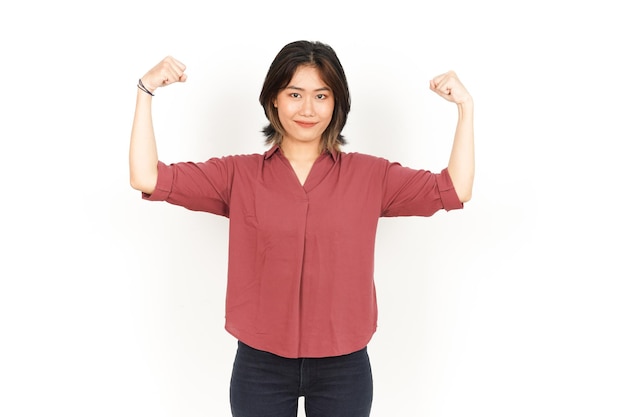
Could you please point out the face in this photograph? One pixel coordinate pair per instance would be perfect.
(305, 106)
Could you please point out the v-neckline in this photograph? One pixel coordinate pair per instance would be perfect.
(302, 174)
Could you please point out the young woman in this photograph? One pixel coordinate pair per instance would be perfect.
(300, 296)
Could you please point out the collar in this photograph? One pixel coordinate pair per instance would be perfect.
(271, 151)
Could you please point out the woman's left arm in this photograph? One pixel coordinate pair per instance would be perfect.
(461, 164)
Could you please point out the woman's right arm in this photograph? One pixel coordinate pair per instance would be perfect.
(143, 155)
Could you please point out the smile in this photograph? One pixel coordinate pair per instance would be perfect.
(305, 124)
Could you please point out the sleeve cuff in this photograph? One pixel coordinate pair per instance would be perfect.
(165, 178)
(449, 198)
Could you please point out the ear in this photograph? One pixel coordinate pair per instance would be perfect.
(275, 105)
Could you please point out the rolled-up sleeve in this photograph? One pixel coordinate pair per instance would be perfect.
(196, 186)
(449, 197)
(411, 192)
(163, 186)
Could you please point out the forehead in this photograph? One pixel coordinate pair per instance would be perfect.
(307, 76)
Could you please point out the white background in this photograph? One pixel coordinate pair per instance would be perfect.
(514, 306)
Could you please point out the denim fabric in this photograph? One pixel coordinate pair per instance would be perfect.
(266, 385)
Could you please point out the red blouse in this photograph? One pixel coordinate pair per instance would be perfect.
(301, 258)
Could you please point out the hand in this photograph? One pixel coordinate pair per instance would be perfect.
(166, 72)
(450, 87)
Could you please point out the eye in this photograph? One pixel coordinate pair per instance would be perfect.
(294, 95)
(321, 96)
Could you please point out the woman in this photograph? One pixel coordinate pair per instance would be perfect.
(301, 299)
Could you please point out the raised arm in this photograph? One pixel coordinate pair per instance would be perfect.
(143, 155)
(461, 163)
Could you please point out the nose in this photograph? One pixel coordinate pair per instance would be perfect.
(308, 108)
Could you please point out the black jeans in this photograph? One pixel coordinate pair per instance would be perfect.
(266, 385)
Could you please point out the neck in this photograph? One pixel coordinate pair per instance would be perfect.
(307, 151)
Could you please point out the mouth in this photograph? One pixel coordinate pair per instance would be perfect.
(305, 124)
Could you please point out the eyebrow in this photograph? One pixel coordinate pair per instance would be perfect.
(293, 87)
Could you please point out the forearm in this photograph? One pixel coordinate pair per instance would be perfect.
(143, 155)
(461, 164)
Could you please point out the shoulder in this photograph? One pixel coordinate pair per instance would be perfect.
(362, 159)
(241, 159)
(233, 164)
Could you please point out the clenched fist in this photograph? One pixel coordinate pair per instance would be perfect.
(450, 87)
(166, 72)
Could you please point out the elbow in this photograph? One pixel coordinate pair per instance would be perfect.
(142, 184)
(463, 183)
(134, 184)
(463, 187)
(143, 176)
(464, 194)
(465, 197)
